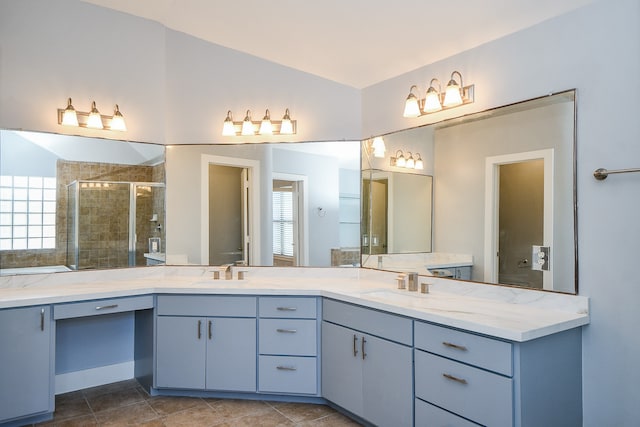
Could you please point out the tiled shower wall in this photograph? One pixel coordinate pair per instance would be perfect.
(101, 230)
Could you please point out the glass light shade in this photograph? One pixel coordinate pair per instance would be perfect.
(401, 161)
(419, 163)
(266, 128)
(432, 101)
(411, 163)
(69, 117)
(228, 129)
(452, 96)
(411, 106)
(94, 121)
(247, 126)
(378, 147)
(117, 122)
(286, 127)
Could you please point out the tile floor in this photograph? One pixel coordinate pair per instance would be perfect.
(126, 403)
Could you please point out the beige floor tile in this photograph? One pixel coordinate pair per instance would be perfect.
(105, 402)
(199, 415)
(71, 408)
(334, 420)
(134, 414)
(270, 418)
(298, 412)
(165, 405)
(233, 408)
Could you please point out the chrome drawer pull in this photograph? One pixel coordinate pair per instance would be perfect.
(286, 308)
(42, 319)
(363, 352)
(106, 307)
(454, 346)
(286, 368)
(456, 379)
(210, 332)
(287, 331)
(199, 329)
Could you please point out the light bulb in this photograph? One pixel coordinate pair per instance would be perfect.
(228, 129)
(266, 128)
(286, 127)
(69, 116)
(247, 126)
(117, 122)
(411, 105)
(94, 121)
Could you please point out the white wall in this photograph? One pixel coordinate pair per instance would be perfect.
(596, 50)
(171, 88)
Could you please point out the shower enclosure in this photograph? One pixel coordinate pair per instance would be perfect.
(110, 223)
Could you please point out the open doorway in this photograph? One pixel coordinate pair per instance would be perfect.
(289, 221)
(229, 221)
(518, 217)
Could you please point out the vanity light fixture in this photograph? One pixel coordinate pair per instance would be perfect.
(408, 162)
(456, 94)
(266, 126)
(93, 119)
(247, 125)
(378, 147)
(227, 128)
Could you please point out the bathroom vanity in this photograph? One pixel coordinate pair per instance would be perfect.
(464, 354)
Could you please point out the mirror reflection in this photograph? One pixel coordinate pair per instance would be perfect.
(286, 204)
(504, 195)
(73, 203)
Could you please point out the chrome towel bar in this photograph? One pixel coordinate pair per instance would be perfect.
(601, 174)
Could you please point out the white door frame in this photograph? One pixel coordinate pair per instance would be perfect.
(253, 169)
(302, 245)
(491, 208)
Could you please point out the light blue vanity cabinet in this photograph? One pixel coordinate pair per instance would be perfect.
(288, 345)
(26, 375)
(367, 364)
(206, 342)
(463, 378)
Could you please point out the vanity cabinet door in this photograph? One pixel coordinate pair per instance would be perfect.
(342, 368)
(387, 385)
(231, 354)
(181, 351)
(25, 370)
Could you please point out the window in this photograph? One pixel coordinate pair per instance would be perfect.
(27, 212)
(283, 223)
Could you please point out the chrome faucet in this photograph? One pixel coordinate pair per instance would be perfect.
(380, 262)
(413, 281)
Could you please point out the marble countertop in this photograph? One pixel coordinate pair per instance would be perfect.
(504, 312)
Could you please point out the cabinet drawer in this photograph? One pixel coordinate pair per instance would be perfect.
(291, 307)
(101, 306)
(472, 393)
(206, 305)
(294, 337)
(282, 374)
(486, 353)
(432, 416)
(384, 325)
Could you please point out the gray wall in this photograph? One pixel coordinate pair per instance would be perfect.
(590, 49)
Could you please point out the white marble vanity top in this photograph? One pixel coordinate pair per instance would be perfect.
(503, 312)
(420, 261)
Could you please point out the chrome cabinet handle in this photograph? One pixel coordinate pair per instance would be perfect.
(362, 346)
(210, 331)
(199, 329)
(42, 319)
(286, 309)
(355, 349)
(456, 379)
(286, 331)
(454, 346)
(106, 307)
(286, 368)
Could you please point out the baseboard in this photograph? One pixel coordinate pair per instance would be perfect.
(79, 380)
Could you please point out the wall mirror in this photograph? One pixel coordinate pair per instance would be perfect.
(76, 203)
(282, 204)
(504, 196)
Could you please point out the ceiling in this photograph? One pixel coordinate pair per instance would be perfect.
(354, 42)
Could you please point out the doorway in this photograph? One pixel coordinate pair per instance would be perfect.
(518, 216)
(230, 223)
(289, 221)
(228, 214)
